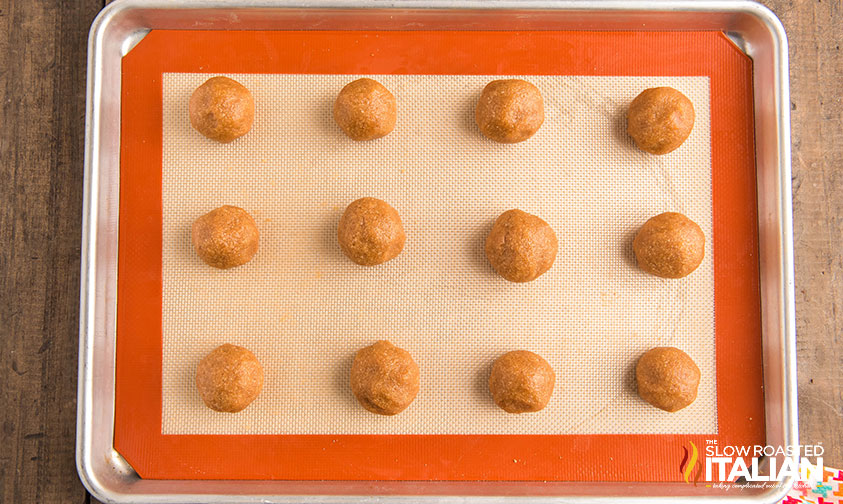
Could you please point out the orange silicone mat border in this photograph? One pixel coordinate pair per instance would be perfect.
(138, 396)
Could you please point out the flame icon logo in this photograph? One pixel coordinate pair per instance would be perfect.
(686, 467)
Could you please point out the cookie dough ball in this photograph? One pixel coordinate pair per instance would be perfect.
(365, 110)
(229, 378)
(509, 110)
(225, 237)
(660, 120)
(521, 247)
(384, 378)
(521, 382)
(667, 378)
(669, 245)
(222, 109)
(370, 232)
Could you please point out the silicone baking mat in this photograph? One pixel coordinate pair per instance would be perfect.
(304, 309)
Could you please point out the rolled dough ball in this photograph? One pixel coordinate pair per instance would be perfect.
(509, 110)
(229, 378)
(225, 237)
(384, 378)
(370, 232)
(222, 109)
(660, 120)
(667, 378)
(365, 110)
(669, 245)
(521, 382)
(521, 247)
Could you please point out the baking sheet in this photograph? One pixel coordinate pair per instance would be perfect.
(304, 309)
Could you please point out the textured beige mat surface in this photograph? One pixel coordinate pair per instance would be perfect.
(304, 309)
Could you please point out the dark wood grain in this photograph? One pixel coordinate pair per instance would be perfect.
(42, 82)
(42, 98)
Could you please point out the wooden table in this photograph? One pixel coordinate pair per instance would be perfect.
(42, 86)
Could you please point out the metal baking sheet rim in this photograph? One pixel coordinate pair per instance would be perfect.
(122, 24)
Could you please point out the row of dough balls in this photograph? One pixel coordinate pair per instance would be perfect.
(385, 379)
(520, 247)
(659, 119)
